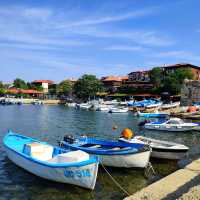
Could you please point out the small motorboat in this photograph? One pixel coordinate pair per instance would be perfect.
(37, 102)
(153, 115)
(154, 105)
(161, 149)
(71, 105)
(123, 103)
(53, 163)
(118, 110)
(85, 106)
(173, 124)
(142, 103)
(111, 103)
(112, 153)
(103, 108)
(170, 105)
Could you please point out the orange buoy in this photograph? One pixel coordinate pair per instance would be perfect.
(192, 109)
(127, 133)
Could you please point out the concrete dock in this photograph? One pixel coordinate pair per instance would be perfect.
(182, 184)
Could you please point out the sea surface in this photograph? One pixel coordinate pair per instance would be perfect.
(51, 123)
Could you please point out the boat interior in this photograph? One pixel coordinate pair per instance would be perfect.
(52, 154)
(43, 151)
(103, 145)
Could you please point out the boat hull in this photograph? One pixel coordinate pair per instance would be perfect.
(168, 154)
(161, 149)
(84, 176)
(119, 111)
(153, 115)
(137, 160)
(170, 129)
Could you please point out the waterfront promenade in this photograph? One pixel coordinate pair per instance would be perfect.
(181, 185)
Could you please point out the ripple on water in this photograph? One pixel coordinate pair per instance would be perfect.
(51, 123)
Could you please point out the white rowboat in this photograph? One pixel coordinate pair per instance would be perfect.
(161, 149)
(52, 163)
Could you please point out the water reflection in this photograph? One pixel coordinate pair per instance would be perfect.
(51, 123)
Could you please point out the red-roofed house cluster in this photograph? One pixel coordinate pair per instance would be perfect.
(141, 79)
(44, 84)
(30, 92)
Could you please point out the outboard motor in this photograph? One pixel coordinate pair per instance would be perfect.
(143, 123)
(69, 139)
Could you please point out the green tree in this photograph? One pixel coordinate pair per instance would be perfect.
(87, 86)
(156, 76)
(2, 89)
(65, 87)
(173, 81)
(19, 83)
(34, 86)
(53, 89)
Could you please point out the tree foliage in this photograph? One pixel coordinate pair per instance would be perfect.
(65, 87)
(19, 83)
(2, 88)
(87, 86)
(156, 76)
(34, 86)
(173, 81)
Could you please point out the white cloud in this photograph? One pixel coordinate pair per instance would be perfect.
(108, 18)
(125, 48)
(142, 37)
(184, 55)
(37, 13)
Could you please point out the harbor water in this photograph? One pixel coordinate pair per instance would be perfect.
(51, 123)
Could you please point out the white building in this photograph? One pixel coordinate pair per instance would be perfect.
(44, 84)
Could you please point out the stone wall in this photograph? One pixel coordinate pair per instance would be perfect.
(190, 92)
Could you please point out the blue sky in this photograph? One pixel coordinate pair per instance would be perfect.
(56, 40)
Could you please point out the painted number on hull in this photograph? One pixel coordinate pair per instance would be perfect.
(78, 173)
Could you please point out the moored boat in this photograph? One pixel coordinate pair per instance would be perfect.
(72, 105)
(52, 163)
(173, 124)
(161, 149)
(85, 106)
(103, 108)
(170, 105)
(153, 115)
(154, 105)
(118, 110)
(112, 153)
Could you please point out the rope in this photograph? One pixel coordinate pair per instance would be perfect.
(117, 184)
(149, 168)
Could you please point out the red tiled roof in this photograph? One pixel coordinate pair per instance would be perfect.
(124, 78)
(31, 92)
(13, 91)
(180, 65)
(43, 81)
(141, 72)
(22, 91)
(114, 78)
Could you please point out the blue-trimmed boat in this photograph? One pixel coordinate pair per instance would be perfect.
(52, 163)
(111, 153)
(152, 115)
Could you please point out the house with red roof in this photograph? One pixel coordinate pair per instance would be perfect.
(111, 83)
(44, 84)
(29, 92)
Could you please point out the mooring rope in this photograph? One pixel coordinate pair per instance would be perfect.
(147, 170)
(113, 179)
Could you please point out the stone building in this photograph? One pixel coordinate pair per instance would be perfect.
(190, 92)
